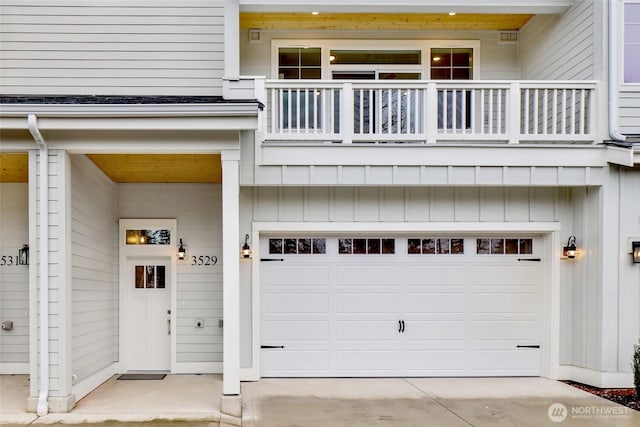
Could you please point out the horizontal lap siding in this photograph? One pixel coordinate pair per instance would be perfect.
(94, 269)
(629, 111)
(112, 48)
(560, 47)
(14, 280)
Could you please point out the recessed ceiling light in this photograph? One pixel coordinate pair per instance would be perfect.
(451, 13)
(315, 12)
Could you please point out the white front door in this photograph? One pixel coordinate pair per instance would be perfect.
(149, 314)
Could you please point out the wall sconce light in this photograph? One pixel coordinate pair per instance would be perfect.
(635, 252)
(23, 255)
(246, 249)
(570, 250)
(182, 251)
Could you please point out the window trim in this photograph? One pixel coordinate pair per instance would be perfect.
(326, 45)
(630, 86)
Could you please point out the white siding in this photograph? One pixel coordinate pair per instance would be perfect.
(198, 210)
(560, 47)
(94, 269)
(59, 314)
(446, 204)
(629, 277)
(133, 47)
(400, 204)
(629, 110)
(497, 61)
(14, 279)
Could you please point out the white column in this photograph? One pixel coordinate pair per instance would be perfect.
(231, 271)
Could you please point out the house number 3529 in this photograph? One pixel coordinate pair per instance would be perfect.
(204, 260)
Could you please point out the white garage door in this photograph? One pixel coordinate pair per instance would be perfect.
(348, 306)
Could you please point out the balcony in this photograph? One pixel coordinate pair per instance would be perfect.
(427, 112)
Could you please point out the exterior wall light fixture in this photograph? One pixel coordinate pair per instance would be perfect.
(182, 251)
(23, 255)
(635, 252)
(246, 249)
(570, 250)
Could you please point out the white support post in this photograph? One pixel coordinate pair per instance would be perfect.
(513, 113)
(431, 113)
(346, 107)
(231, 271)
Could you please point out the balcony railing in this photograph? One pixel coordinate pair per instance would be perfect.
(427, 111)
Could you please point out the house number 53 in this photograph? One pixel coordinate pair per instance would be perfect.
(204, 260)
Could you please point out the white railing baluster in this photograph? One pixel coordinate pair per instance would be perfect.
(582, 129)
(526, 112)
(482, 114)
(491, 111)
(545, 111)
(564, 111)
(573, 111)
(500, 106)
(554, 112)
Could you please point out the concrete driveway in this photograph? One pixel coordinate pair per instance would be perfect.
(420, 402)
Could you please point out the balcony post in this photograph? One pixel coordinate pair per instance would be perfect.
(513, 113)
(431, 113)
(346, 113)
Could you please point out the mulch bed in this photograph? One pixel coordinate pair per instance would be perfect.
(623, 396)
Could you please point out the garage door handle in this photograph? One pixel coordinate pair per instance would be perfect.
(400, 326)
(271, 259)
(527, 346)
(271, 346)
(530, 259)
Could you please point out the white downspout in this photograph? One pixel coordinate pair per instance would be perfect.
(43, 398)
(613, 72)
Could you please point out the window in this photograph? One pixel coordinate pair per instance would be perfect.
(297, 246)
(362, 246)
(435, 246)
(148, 237)
(150, 277)
(504, 246)
(299, 63)
(454, 106)
(632, 43)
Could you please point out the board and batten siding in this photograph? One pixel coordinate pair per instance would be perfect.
(405, 204)
(112, 47)
(572, 207)
(554, 47)
(14, 279)
(94, 269)
(198, 210)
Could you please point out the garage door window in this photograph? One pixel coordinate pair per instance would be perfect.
(298, 246)
(361, 246)
(504, 246)
(435, 246)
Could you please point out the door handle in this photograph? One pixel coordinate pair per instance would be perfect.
(399, 326)
(169, 322)
(403, 326)
(527, 346)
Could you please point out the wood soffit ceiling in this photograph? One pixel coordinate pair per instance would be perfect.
(383, 21)
(160, 168)
(14, 167)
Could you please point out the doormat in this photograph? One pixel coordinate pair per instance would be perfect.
(142, 376)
